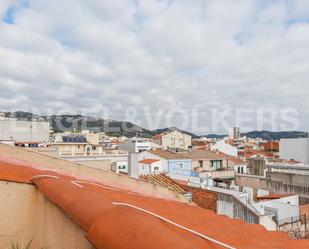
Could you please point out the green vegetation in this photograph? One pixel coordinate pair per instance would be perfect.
(147, 135)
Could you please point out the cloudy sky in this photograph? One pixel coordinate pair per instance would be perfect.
(158, 62)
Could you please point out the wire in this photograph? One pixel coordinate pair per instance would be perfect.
(175, 224)
(44, 176)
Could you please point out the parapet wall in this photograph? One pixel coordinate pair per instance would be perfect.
(53, 163)
(274, 185)
(289, 178)
(26, 214)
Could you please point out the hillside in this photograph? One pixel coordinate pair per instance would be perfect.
(111, 127)
(268, 135)
(124, 128)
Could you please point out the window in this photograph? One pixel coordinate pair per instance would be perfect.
(200, 164)
(216, 164)
(122, 167)
(156, 168)
(181, 166)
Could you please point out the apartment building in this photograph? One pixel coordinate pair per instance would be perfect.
(294, 149)
(174, 140)
(23, 131)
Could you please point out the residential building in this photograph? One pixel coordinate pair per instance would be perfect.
(171, 162)
(271, 146)
(212, 168)
(97, 207)
(234, 133)
(22, 131)
(95, 138)
(74, 144)
(274, 212)
(226, 148)
(137, 146)
(276, 178)
(206, 160)
(257, 166)
(80, 207)
(120, 167)
(174, 163)
(241, 168)
(150, 166)
(283, 208)
(175, 140)
(75, 148)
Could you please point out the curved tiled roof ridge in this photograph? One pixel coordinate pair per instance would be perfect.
(114, 218)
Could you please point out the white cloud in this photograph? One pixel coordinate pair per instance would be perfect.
(75, 54)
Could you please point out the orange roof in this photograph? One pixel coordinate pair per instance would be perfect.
(159, 136)
(230, 158)
(236, 160)
(272, 196)
(149, 161)
(202, 154)
(116, 218)
(169, 155)
(271, 146)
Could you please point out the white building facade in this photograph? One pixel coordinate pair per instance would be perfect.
(138, 146)
(24, 131)
(225, 148)
(294, 149)
(120, 167)
(176, 139)
(150, 166)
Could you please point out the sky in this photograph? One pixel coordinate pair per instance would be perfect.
(201, 65)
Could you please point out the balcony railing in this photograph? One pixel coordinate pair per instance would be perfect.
(185, 172)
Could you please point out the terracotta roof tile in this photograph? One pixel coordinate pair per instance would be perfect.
(203, 154)
(236, 160)
(272, 196)
(149, 161)
(169, 155)
(114, 218)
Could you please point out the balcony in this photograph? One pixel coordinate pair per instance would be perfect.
(218, 174)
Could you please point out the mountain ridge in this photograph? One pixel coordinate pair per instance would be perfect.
(76, 122)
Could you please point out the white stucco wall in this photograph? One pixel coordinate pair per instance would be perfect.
(149, 155)
(24, 131)
(120, 167)
(26, 214)
(295, 148)
(108, 177)
(223, 147)
(146, 169)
